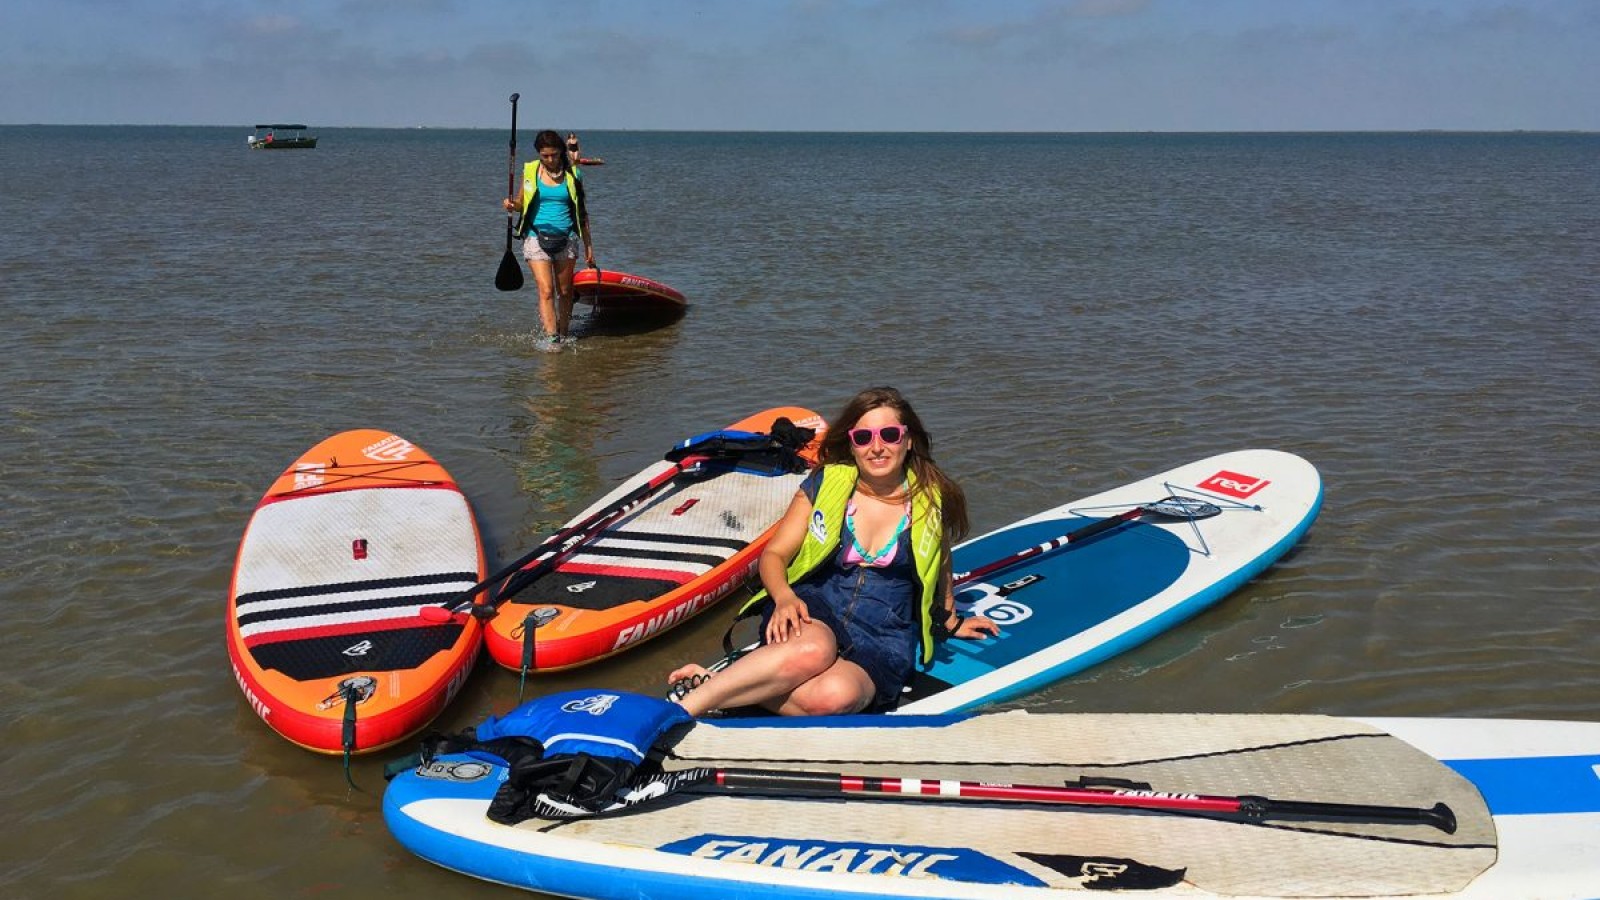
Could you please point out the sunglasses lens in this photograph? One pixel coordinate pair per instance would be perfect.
(889, 434)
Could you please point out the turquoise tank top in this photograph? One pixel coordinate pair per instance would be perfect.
(555, 210)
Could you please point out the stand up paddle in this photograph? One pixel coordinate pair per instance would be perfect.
(688, 457)
(1172, 507)
(509, 277)
(553, 546)
(1129, 795)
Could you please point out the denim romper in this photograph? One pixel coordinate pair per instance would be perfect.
(869, 609)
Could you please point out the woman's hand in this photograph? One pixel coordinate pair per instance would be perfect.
(973, 628)
(509, 205)
(788, 616)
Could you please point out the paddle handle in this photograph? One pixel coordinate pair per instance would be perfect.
(511, 172)
(511, 168)
(1439, 815)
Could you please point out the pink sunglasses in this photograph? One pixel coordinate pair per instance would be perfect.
(891, 435)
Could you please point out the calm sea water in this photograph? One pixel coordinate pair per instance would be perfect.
(1417, 314)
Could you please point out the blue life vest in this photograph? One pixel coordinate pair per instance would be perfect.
(603, 724)
(571, 753)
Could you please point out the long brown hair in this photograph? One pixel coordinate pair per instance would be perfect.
(919, 454)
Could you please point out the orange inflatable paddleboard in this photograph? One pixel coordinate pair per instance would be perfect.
(672, 555)
(324, 633)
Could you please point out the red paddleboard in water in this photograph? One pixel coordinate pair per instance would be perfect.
(613, 291)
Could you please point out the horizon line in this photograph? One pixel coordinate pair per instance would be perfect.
(842, 131)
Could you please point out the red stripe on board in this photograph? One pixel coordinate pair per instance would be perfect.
(627, 572)
(348, 630)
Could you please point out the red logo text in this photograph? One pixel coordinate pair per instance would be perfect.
(1233, 484)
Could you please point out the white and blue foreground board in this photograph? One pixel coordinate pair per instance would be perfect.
(1525, 799)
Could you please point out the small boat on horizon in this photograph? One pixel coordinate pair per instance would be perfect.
(281, 137)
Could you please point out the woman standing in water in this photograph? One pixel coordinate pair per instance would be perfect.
(555, 222)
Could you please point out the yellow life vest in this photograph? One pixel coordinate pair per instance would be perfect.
(827, 526)
(530, 196)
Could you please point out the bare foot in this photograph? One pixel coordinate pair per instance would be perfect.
(687, 671)
(686, 680)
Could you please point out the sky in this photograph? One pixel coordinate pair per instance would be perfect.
(808, 65)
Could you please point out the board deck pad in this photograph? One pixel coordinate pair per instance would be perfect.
(1307, 757)
(689, 545)
(694, 527)
(691, 845)
(297, 616)
(345, 548)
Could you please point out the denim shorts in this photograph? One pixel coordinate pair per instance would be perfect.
(890, 664)
(532, 251)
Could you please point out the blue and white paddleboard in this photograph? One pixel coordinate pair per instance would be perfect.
(1065, 605)
(1066, 609)
(1525, 798)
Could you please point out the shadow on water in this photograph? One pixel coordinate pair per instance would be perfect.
(600, 321)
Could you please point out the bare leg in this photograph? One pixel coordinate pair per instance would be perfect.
(544, 274)
(766, 675)
(564, 270)
(843, 689)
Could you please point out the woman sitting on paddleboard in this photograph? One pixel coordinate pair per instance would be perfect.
(555, 220)
(856, 578)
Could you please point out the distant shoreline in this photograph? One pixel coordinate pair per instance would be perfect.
(715, 131)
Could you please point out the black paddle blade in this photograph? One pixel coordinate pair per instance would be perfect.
(509, 278)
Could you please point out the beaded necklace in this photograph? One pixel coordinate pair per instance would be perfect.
(876, 559)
